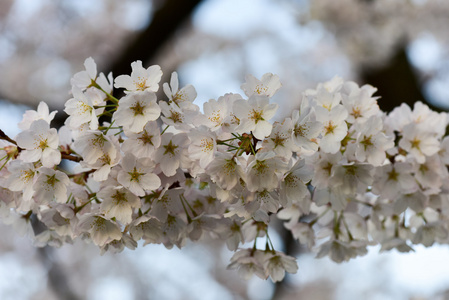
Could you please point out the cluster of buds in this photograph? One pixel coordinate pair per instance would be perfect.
(338, 172)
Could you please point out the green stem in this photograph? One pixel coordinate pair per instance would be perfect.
(165, 129)
(110, 97)
(110, 126)
(4, 164)
(318, 217)
(190, 207)
(189, 219)
(269, 240)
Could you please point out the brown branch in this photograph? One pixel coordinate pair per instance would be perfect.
(3, 136)
(70, 157)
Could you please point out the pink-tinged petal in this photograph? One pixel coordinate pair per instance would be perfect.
(42, 109)
(128, 162)
(152, 111)
(91, 67)
(338, 114)
(263, 129)
(138, 124)
(123, 81)
(102, 173)
(169, 166)
(53, 138)
(187, 93)
(167, 90)
(174, 83)
(241, 109)
(245, 126)
(40, 127)
(150, 182)
(31, 155)
(272, 82)
(270, 110)
(328, 144)
(50, 158)
(138, 70)
(154, 76)
(136, 189)
(25, 140)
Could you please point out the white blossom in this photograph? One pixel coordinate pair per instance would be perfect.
(137, 176)
(254, 114)
(49, 185)
(267, 85)
(135, 110)
(40, 143)
(172, 153)
(181, 97)
(119, 203)
(141, 79)
(42, 113)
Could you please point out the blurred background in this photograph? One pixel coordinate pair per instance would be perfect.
(399, 46)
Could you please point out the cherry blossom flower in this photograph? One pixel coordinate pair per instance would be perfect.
(418, 143)
(42, 113)
(254, 114)
(101, 230)
(248, 262)
(147, 228)
(224, 170)
(92, 145)
(372, 143)
(280, 140)
(268, 85)
(279, 263)
(141, 79)
(22, 178)
(218, 113)
(202, 146)
(335, 128)
(81, 110)
(173, 115)
(183, 97)
(137, 176)
(118, 203)
(168, 203)
(135, 110)
(49, 185)
(394, 179)
(337, 170)
(263, 170)
(340, 251)
(359, 102)
(84, 79)
(40, 143)
(306, 129)
(144, 143)
(172, 153)
(293, 187)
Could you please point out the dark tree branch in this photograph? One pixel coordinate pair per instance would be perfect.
(396, 82)
(166, 20)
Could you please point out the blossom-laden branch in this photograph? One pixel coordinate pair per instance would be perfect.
(164, 171)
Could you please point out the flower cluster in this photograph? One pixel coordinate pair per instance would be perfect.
(338, 172)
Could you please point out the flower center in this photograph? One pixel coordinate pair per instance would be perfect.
(170, 149)
(146, 138)
(261, 167)
(137, 109)
(256, 115)
(329, 128)
(141, 84)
